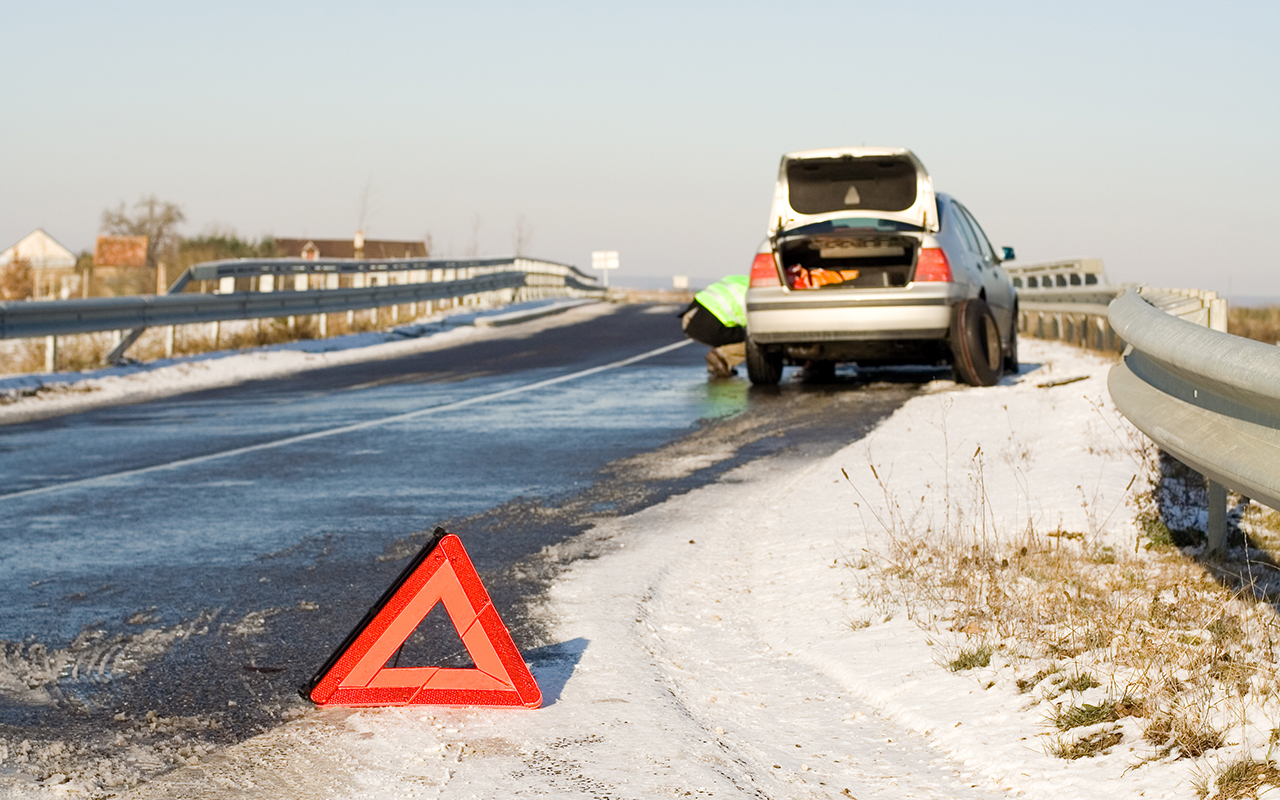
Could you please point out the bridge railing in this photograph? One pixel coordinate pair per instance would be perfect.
(291, 287)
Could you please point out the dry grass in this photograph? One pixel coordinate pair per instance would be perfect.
(1096, 633)
(1088, 746)
(1241, 778)
(971, 658)
(1262, 324)
(1186, 736)
(1176, 646)
(1084, 715)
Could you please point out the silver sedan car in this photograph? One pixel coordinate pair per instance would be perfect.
(864, 262)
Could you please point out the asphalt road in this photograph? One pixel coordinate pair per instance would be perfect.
(199, 557)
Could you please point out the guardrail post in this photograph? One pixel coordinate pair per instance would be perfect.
(1218, 314)
(169, 335)
(126, 341)
(1217, 529)
(51, 354)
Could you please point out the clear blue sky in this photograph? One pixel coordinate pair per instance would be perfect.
(1143, 133)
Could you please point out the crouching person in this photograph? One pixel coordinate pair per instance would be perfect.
(717, 317)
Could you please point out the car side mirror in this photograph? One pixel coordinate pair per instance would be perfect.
(1006, 254)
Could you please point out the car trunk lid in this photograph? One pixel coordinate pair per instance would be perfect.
(887, 183)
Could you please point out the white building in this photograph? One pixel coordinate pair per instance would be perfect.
(53, 264)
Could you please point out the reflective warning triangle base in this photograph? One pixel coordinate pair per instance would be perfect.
(357, 675)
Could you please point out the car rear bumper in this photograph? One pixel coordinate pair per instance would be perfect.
(778, 316)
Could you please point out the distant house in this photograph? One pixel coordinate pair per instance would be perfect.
(120, 266)
(346, 248)
(120, 251)
(53, 265)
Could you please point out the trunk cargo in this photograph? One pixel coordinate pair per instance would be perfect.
(854, 260)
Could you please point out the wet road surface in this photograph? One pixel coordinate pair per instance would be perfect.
(199, 557)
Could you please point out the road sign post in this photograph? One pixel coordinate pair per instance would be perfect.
(604, 260)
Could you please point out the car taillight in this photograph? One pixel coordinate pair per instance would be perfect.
(933, 266)
(763, 271)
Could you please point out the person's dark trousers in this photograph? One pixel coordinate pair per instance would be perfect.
(703, 326)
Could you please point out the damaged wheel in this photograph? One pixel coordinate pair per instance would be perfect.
(1011, 359)
(1011, 355)
(975, 344)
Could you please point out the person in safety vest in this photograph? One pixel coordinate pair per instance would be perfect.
(717, 317)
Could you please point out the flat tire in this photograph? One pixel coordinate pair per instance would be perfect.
(975, 344)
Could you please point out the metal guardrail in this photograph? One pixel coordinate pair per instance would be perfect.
(1082, 317)
(395, 282)
(1207, 398)
(63, 317)
(1210, 399)
(1065, 300)
(1069, 300)
(1057, 274)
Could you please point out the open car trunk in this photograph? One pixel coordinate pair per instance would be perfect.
(873, 184)
(854, 258)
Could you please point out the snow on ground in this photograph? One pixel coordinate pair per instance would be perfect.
(719, 647)
(37, 396)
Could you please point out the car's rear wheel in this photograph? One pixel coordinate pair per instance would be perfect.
(764, 367)
(975, 343)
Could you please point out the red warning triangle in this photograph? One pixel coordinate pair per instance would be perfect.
(356, 675)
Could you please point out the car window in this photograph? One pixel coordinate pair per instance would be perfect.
(987, 250)
(962, 225)
(871, 183)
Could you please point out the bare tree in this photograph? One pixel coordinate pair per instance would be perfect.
(428, 243)
(522, 235)
(17, 280)
(152, 218)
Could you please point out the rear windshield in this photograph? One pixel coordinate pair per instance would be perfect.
(871, 183)
(860, 223)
